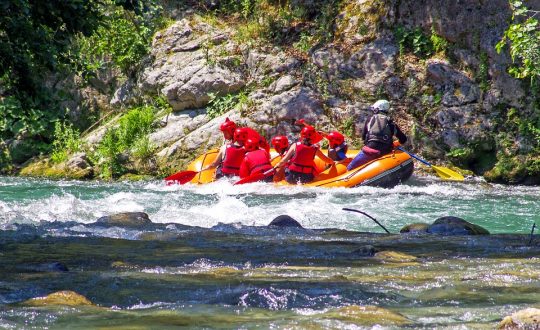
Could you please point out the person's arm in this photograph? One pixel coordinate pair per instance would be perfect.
(288, 155)
(218, 160)
(400, 135)
(323, 157)
(365, 129)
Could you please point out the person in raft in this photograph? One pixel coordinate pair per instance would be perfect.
(280, 144)
(255, 160)
(337, 147)
(302, 154)
(230, 155)
(227, 128)
(378, 133)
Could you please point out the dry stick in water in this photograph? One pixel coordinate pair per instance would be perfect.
(369, 216)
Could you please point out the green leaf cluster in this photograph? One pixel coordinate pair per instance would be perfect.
(416, 42)
(523, 37)
(121, 41)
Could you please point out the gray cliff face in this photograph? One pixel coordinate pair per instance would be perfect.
(444, 102)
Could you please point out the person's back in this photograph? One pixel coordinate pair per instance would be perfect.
(234, 154)
(255, 160)
(379, 130)
(302, 154)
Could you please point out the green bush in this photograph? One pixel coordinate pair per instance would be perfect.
(440, 45)
(523, 35)
(218, 105)
(414, 41)
(66, 141)
(124, 138)
(121, 41)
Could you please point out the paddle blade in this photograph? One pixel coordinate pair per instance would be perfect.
(447, 174)
(181, 177)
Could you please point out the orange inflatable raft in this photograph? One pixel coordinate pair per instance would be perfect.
(386, 171)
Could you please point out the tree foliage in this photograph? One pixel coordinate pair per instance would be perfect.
(523, 37)
(38, 38)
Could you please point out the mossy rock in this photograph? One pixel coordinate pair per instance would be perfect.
(46, 168)
(64, 298)
(524, 319)
(418, 227)
(521, 169)
(366, 315)
(396, 257)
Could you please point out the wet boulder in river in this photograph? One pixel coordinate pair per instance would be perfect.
(285, 221)
(528, 318)
(64, 298)
(126, 219)
(455, 226)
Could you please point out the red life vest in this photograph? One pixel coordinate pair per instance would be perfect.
(233, 158)
(303, 160)
(257, 161)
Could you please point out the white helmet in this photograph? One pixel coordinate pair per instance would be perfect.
(381, 105)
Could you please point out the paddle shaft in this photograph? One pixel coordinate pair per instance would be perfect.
(414, 156)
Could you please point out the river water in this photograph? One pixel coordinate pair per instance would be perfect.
(210, 262)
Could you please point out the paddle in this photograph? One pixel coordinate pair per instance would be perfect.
(182, 177)
(443, 172)
(255, 177)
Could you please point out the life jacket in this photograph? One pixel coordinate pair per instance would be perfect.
(257, 161)
(303, 159)
(233, 158)
(379, 129)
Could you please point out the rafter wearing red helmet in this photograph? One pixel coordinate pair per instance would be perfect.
(230, 155)
(337, 147)
(302, 154)
(255, 160)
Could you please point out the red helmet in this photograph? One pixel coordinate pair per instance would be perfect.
(335, 138)
(280, 143)
(240, 135)
(228, 126)
(251, 144)
(309, 133)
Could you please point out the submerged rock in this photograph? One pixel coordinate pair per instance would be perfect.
(48, 267)
(366, 315)
(525, 319)
(126, 219)
(285, 221)
(393, 256)
(67, 298)
(418, 227)
(455, 226)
